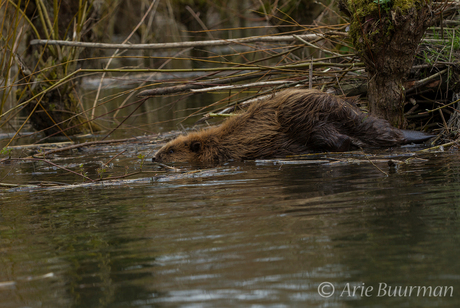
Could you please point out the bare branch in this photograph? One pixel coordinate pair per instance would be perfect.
(221, 42)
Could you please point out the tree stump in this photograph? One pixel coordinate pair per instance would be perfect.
(386, 35)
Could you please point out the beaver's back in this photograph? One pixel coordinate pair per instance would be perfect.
(326, 122)
(292, 122)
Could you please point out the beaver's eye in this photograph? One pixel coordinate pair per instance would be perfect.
(171, 151)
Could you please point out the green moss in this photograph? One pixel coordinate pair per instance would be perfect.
(372, 20)
(373, 7)
(405, 5)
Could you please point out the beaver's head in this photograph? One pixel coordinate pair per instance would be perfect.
(182, 149)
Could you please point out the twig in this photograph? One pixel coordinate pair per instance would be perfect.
(439, 146)
(243, 86)
(141, 102)
(314, 46)
(126, 175)
(450, 59)
(232, 108)
(169, 167)
(114, 157)
(367, 157)
(220, 115)
(199, 21)
(443, 120)
(441, 107)
(425, 81)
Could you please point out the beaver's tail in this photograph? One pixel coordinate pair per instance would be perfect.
(412, 136)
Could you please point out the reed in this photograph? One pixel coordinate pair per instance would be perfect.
(42, 82)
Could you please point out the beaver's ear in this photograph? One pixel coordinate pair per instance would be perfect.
(195, 146)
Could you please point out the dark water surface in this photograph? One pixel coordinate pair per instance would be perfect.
(263, 236)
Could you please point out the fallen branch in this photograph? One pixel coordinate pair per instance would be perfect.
(85, 144)
(221, 42)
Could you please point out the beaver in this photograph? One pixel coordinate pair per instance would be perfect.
(291, 122)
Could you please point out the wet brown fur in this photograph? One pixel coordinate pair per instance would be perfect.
(292, 122)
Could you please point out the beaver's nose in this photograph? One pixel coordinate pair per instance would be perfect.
(153, 159)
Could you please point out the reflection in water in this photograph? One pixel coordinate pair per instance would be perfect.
(268, 236)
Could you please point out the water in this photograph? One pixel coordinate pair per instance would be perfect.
(258, 235)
